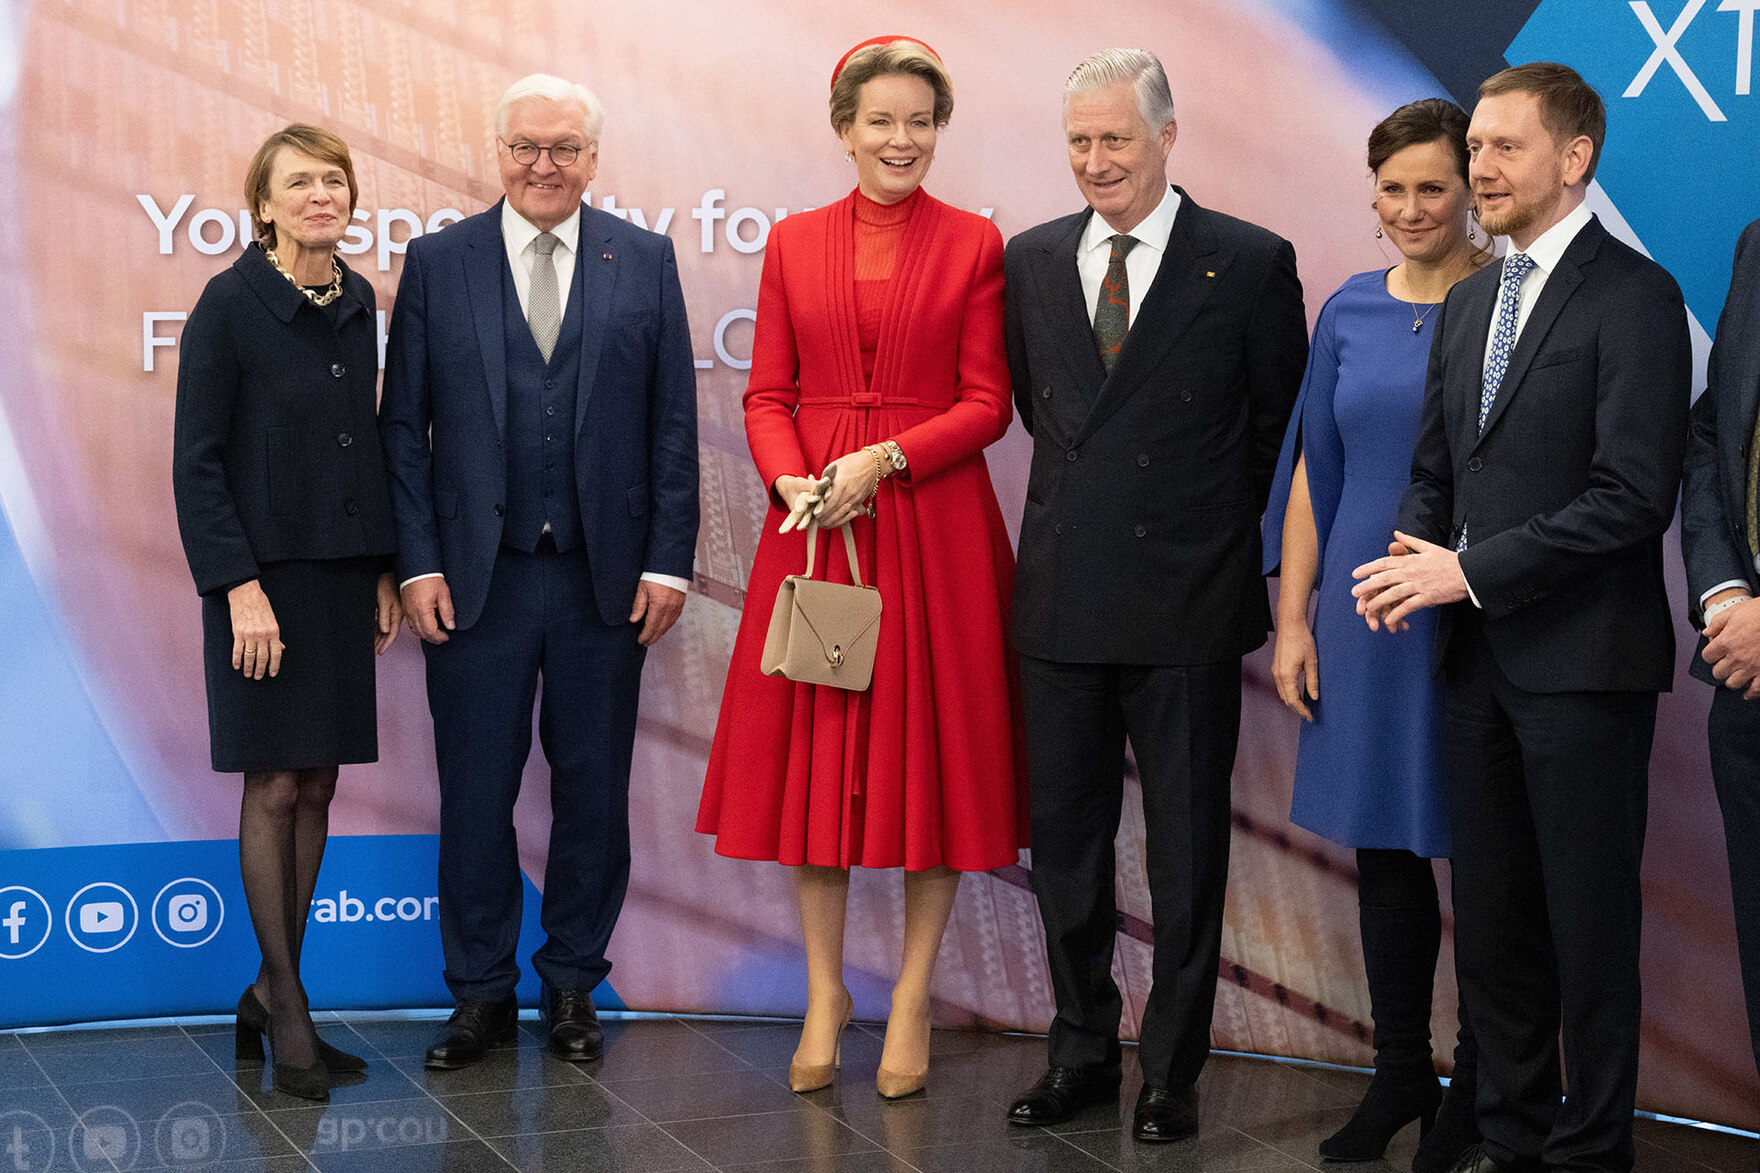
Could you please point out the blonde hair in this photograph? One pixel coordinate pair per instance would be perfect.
(309, 140)
(909, 58)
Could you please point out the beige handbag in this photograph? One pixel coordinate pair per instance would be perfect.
(824, 632)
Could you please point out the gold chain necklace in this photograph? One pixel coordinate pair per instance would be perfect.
(317, 299)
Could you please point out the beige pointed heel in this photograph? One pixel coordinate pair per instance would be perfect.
(810, 1077)
(895, 1085)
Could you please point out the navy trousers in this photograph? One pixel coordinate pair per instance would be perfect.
(539, 624)
(1735, 768)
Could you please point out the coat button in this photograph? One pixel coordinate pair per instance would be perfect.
(549, 411)
(343, 439)
(1058, 528)
(1045, 393)
(1070, 455)
(350, 508)
(337, 370)
(1141, 532)
(1143, 461)
(1185, 396)
(499, 511)
(1475, 464)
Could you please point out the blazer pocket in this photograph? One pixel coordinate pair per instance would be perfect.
(637, 499)
(278, 473)
(445, 503)
(1557, 358)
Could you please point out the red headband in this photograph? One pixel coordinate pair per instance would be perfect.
(870, 43)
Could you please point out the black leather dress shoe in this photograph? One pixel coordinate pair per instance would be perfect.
(1062, 1092)
(1164, 1115)
(473, 1028)
(572, 1025)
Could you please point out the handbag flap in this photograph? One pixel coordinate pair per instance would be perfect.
(838, 615)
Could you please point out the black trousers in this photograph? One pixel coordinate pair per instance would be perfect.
(1183, 723)
(1549, 800)
(1735, 768)
(540, 622)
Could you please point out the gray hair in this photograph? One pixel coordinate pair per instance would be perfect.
(545, 87)
(1141, 68)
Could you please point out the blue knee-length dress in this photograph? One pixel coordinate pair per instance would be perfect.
(1369, 769)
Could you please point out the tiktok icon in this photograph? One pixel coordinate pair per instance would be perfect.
(25, 922)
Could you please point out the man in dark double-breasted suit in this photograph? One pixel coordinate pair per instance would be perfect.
(1720, 540)
(539, 424)
(1156, 349)
(1544, 478)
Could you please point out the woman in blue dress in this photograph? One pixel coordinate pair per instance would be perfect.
(1369, 768)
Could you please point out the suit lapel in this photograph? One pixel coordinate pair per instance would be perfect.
(485, 261)
(1560, 284)
(1060, 290)
(595, 278)
(1190, 269)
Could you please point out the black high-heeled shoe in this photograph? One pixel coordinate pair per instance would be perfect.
(308, 1083)
(253, 1026)
(1393, 1101)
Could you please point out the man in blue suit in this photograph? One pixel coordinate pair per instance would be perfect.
(1720, 540)
(539, 425)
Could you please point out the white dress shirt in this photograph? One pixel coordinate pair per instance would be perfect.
(520, 237)
(1546, 251)
(1094, 253)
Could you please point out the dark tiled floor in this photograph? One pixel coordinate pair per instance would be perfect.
(671, 1094)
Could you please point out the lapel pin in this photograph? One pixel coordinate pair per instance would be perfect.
(1209, 272)
(608, 256)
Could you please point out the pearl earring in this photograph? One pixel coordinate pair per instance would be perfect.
(1378, 233)
(849, 156)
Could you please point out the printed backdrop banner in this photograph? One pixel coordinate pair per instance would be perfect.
(125, 127)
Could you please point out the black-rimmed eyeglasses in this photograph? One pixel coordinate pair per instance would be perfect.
(525, 154)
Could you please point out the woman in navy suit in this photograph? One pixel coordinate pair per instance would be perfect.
(286, 522)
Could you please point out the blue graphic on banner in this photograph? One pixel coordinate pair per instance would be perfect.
(1682, 161)
(140, 930)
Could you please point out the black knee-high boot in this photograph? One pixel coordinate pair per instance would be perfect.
(1399, 956)
(1457, 1129)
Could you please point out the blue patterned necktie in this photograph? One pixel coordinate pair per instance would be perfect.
(1516, 267)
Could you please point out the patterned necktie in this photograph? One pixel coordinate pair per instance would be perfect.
(1112, 309)
(1516, 268)
(543, 305)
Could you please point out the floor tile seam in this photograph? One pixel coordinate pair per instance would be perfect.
(498, 1091)
(718, 1043)
(679, 1140)
(312, 1162)
(1314, 1162)
(1078, 1148)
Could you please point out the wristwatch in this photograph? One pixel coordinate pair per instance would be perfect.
(894, 455)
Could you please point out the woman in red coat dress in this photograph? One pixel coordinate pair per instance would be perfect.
(878, 352)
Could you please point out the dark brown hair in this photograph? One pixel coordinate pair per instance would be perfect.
(310, 140)
(1569, 106)
(895, 57)
(1427, 120)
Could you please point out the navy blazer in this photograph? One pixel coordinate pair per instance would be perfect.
(1568, 489)
(1140, 539)
(443, 418)
(274, 455)
(1714, 493)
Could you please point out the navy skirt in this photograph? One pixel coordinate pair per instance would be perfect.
(320, 710)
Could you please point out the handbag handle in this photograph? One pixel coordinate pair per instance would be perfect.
(849, 545)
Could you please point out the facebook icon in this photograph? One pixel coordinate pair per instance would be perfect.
(25, 922)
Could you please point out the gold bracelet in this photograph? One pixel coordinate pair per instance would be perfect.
(879, 465)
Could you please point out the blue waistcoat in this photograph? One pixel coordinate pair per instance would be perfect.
(540, 424)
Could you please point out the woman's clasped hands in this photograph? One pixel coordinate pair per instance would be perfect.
(841, 492)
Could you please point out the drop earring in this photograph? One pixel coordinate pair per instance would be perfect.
(1378, 233)
(849, 156)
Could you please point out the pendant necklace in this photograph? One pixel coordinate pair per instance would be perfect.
(1418, 318)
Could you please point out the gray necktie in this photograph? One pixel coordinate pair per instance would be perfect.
(544, 305)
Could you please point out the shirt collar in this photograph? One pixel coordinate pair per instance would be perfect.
(1156, 227)
(519, 232)
(1548, 248)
